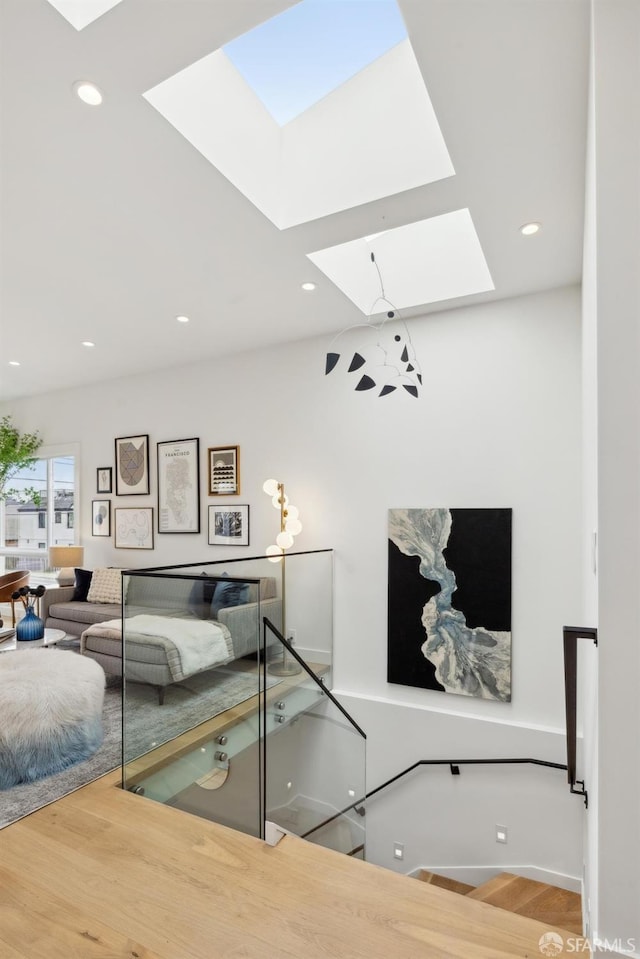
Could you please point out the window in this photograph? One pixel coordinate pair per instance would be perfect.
(32, 518)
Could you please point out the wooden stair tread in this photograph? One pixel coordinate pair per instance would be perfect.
(493, 888)
(533, 899)
(453, 885)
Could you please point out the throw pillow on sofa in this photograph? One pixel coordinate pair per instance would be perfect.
(83, 582)
(106, 586)
(200, 597)
(228, 593)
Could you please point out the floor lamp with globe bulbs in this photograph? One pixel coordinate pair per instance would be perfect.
(290, 526)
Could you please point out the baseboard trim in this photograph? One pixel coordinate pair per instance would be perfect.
(476, 875)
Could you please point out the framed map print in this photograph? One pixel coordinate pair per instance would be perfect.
(132, 465)
(179, 486)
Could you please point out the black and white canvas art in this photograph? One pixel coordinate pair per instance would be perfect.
(449, 609)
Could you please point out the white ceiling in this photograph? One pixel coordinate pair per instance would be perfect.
(112, 223)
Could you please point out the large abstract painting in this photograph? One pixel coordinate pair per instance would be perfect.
(449, 611)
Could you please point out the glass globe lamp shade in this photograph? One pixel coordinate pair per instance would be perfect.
(284, 540)
(292, 512)
(274, 554)
(279, 500)
(270, 487)
(293, 526)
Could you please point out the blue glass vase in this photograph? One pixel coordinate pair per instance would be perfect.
(30, 626)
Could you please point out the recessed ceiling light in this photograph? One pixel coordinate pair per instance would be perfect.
(528, 229)
(14, 363)
(88, 93)
(308, 286)
(88, 343)
(182, 319)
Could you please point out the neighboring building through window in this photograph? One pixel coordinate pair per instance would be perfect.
(41, 507)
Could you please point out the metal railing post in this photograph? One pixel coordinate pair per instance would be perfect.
(570, 637)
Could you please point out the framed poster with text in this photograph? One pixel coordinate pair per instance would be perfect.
(179, 486)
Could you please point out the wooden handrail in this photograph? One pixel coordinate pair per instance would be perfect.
(570, 637)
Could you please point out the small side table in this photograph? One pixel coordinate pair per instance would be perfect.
(51, 638)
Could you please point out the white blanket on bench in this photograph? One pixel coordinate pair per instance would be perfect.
(200, 643)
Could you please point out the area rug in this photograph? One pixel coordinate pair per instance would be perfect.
(199, 698)
(187, 704)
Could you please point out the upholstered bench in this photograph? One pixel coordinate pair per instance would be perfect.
(50, 712)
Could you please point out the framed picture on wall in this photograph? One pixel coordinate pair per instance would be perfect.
(224, 471)
(228, 525)
(133, 527)
(104, 479)
(101, 517)
(463, 646)
(132, 465)
(179, 486)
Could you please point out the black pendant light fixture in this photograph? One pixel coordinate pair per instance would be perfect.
(385, 361)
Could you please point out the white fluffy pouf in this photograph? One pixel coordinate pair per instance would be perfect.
(50, 712)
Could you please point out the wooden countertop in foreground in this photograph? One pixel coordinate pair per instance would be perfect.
(104, 873)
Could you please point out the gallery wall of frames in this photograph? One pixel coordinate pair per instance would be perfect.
(178, 495)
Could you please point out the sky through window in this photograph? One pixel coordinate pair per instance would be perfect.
(298, 57)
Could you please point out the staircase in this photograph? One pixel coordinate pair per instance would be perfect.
(556, 908)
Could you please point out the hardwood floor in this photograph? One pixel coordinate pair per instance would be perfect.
(104, 874)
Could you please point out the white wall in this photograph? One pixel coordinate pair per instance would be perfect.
(587, 652)
(617, 145)
(431, 812)
(454, 833)
(498, 425)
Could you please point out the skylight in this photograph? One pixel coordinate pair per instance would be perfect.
(295, 59)
(380, 124)
(80, 13)
(423, 262)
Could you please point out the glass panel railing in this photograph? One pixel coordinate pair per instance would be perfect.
(307, 588)
(191, 689)
(314, 758)
(200, 683)
(211, 770)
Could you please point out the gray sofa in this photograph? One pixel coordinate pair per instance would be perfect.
(154, 660)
